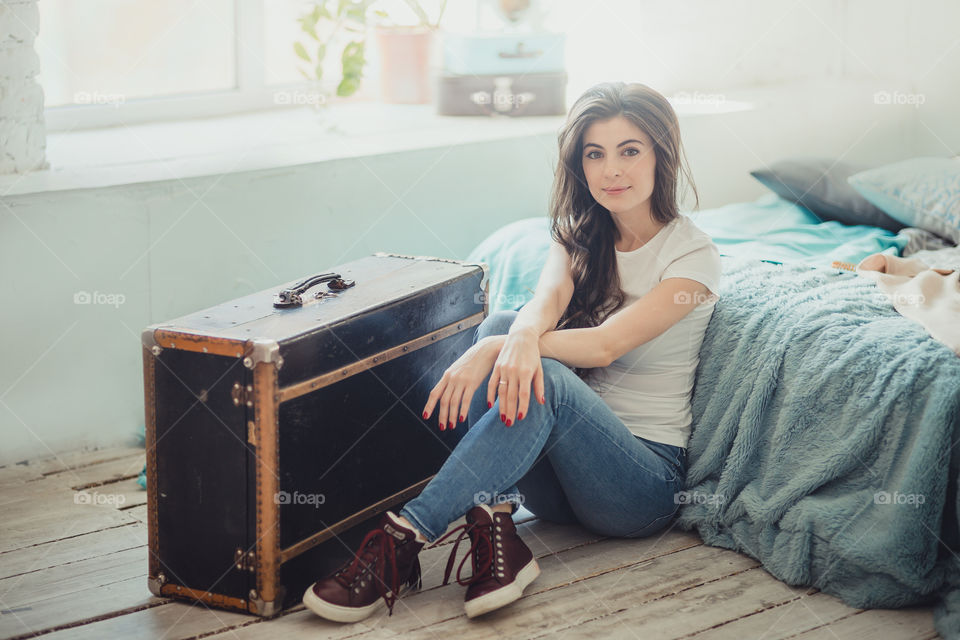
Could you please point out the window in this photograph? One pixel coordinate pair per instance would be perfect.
(111, 62)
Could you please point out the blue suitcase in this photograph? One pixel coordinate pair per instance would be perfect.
(503, 54)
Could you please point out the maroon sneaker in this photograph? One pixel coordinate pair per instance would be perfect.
(387, 558)
(502, 564)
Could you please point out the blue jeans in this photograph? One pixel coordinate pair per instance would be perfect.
(571, 460)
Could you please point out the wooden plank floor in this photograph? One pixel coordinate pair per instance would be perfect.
(76, 568)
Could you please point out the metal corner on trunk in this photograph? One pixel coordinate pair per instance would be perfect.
(262, 350)
(154, 583)
(266, 609)
(149, 340)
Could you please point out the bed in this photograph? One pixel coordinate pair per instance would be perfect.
(825, 424)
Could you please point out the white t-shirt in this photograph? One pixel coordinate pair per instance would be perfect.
(649, 388)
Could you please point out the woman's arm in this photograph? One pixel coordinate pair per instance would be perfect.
(519, 361)
(573, 347)
(554, 291)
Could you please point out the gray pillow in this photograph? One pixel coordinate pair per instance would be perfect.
(820, 185)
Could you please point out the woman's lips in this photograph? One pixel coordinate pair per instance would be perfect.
(614, 192)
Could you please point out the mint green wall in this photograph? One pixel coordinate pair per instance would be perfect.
(71, 373)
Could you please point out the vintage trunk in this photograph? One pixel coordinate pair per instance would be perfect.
(276, 436)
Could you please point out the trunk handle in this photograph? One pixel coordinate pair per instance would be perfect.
(291, 297)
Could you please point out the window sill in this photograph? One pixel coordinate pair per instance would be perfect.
(254, 141)
(263, 140)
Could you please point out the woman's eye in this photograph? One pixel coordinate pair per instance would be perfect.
(631, 151)
(593, 155)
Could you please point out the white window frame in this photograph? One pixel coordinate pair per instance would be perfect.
(251, 92)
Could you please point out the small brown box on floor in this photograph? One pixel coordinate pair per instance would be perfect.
(277, 435)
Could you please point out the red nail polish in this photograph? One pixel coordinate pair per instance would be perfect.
(442, 427)
(509, 422)
(543, 400)
(520, 417)
(503, 417)
(489, 405)
(424, 415)
(450, 425)
(462, 418)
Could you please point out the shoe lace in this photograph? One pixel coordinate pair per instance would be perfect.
(376, 550)
(480, 552)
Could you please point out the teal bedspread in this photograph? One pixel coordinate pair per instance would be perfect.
(824, 433)
(825, 424)
(774, 229)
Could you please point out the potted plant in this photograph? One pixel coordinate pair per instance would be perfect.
(405, 55)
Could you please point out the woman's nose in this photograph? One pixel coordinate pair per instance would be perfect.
(612, 170)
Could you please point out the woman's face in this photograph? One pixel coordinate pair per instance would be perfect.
(619, 162)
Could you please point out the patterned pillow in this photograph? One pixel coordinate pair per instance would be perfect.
(920, 192)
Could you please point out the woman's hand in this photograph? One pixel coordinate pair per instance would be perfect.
(461, 379)
(515, 369)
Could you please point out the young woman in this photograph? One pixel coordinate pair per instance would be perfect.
(586, 413)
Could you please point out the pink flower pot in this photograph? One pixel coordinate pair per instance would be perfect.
(405, 64)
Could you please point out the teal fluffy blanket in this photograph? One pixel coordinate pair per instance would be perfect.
(824, 438)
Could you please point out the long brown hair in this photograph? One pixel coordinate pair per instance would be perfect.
(584, 227)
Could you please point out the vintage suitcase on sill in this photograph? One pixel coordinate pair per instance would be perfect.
(503, 53)
(521, 95)
(259, 421)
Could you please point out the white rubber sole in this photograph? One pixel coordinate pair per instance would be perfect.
(504, 595)
(339, 613)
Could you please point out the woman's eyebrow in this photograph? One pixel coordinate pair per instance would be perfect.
(593, 144)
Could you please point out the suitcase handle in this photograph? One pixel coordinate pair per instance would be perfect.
(291, 297)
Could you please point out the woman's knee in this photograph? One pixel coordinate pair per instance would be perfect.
(497, 323)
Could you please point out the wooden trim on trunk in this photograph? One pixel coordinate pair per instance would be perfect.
(312, 384)
(150, 443)
(215, 599)
(171, 339)
(267, 545)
